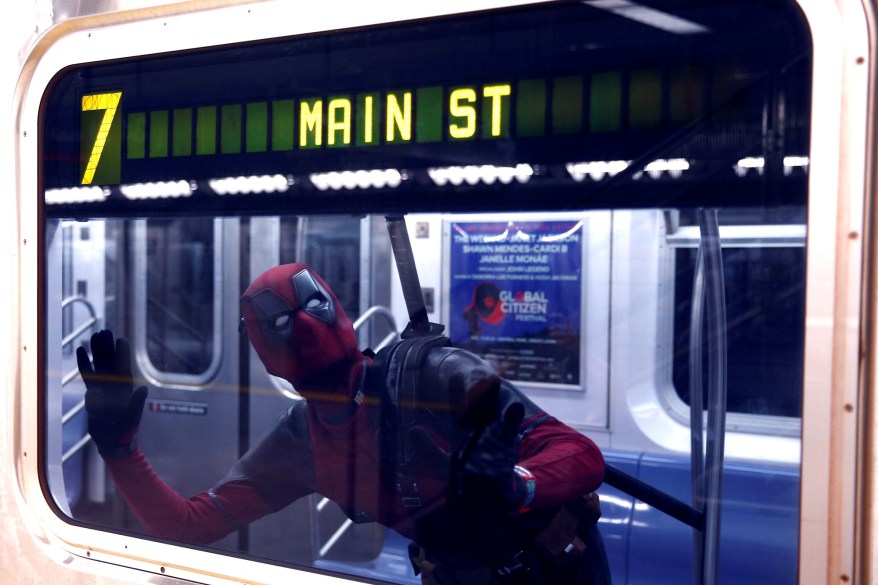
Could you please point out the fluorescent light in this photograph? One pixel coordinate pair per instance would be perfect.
(673, 166)
(252, 184)
(795, 161)
(76, 195)
(791, 163)
(475, 174)
(757, 163)
(158, 190)
(649, 16)
(362, 179)
(596, 170)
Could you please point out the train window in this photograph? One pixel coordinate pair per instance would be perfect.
(764, 275)
(331, 244)
(267, 223)
(177, 300)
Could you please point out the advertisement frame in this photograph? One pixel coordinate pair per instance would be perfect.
(454, 330)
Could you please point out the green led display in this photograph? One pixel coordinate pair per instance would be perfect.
(605, 112)
(100, 134)
(256, 133)
(181, 141)
(567, 105)
(686, 99)
(428, 122)
(230, 129)
(205, 130)
(136, 143)
(561, 106)
(282, 129)
(530, 111)
(369, 114)
(158, 134)
(645, 98)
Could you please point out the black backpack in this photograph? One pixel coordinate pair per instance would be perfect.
(394, 383)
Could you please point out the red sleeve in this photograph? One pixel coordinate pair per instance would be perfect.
(202, 519)
(563, 462)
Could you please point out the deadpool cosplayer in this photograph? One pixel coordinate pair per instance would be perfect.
(422, 437)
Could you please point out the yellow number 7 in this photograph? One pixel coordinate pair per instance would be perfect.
(108, 102)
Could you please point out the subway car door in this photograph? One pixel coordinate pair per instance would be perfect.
(182, 321)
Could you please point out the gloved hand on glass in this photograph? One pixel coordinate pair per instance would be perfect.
(114, 406)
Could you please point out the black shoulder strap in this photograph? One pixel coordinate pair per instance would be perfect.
(394, 380)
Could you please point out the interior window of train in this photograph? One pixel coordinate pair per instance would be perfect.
(557, 167)
(764, 275)
(177, 299)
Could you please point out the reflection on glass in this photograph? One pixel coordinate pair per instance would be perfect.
(766, 312)
(205, 380)
(422, 438)
(180, 295)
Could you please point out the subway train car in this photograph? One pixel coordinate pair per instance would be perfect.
(655, 218)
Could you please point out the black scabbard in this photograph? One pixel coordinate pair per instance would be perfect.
(419, 322)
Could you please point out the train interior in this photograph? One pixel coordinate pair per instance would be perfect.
(575, 266)
(210, 398)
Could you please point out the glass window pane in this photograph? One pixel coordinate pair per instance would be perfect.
(550, 163)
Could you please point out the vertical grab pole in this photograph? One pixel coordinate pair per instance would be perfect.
(716, 416)
(696, 410)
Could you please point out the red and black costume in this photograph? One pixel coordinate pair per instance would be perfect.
(468, 509)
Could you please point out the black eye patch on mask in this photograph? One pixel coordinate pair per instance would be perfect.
(315, 300)
(275, 315)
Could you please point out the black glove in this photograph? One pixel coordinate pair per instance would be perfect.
(480, 474)
(114, 407)
(485, 475)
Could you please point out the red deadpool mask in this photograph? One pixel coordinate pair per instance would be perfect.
(299, 330)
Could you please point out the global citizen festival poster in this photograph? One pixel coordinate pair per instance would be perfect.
(515, 297)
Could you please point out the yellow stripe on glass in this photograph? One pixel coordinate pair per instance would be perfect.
(109, 102)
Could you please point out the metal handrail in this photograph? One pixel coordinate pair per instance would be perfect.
(80, 444)
(717, 390)
(77, 408)
(73, 374)
(78, 331)
(704, 513)
(379, 311)
(330, 542)
(69, 377)
(707, 467)
(696, 406)
(70, 338)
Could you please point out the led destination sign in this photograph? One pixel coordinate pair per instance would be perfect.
(528, 108)
(545, 91)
